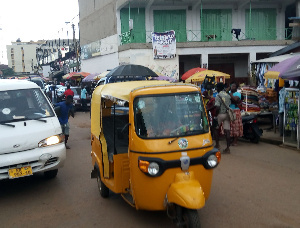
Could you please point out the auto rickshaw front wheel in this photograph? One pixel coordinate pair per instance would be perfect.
(104, 191)
(190, 218)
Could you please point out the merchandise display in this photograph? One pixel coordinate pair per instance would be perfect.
(291, 117)
(250, 103)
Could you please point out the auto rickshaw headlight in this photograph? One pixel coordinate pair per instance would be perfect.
(213, 160)
(153, 168)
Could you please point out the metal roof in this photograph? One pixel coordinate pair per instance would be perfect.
(285, 49)
(276, 59)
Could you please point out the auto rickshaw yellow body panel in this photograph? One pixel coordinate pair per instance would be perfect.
(122, 174)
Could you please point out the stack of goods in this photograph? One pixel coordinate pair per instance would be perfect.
(271, 95)
(268, 101)
(250, 104)
(263, 103)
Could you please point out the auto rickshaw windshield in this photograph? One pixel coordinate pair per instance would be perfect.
(165, 116)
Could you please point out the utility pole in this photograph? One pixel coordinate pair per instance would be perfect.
(76, 47)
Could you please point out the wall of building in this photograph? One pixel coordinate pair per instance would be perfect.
(97, 20)
(167, 67)
(29, 56)
(100, 64)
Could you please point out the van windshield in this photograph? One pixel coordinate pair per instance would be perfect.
(166, 116)
(16, 105)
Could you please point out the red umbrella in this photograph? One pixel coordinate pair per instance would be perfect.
(78, 75)
(191, 72)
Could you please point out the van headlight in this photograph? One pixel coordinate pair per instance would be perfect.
(52, 140)
(151, 168)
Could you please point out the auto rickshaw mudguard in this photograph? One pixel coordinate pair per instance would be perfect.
(186, 191)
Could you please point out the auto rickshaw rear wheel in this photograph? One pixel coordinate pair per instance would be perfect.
(104, 191)
(191, 218)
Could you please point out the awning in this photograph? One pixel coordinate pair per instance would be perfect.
(276, 59)
(58, 74)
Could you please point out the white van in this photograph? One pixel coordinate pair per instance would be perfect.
(31, 138)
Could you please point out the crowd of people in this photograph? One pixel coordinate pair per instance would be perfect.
(217, 107)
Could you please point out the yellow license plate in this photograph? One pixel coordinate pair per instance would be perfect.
(20, 172)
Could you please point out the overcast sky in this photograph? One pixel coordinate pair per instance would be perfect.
(37, 20)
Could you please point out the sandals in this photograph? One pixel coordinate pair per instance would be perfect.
(226, 151)
(218, 147)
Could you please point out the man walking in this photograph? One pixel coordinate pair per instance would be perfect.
(66, 109)
(68, 92)
(221, 101)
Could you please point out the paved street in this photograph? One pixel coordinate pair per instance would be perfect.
(257, 185)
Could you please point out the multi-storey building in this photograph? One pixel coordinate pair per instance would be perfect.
(21, 56)
(224, 35)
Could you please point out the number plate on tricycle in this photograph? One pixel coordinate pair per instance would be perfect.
(20, 172)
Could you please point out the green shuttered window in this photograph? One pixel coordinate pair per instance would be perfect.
(216, 24)
(261, 24)
(166, 20)
(138, 33)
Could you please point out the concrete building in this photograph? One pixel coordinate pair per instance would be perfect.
(21, 56)
(224, 35)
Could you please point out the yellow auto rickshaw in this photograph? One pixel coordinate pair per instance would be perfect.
(151, 143)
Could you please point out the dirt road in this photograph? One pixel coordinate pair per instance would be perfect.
(254, 186)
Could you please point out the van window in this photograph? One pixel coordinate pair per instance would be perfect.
(16, 105)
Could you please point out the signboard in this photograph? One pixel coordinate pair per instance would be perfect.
(104, 46)
(164, 44)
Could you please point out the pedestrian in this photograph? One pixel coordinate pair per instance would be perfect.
(66, 109)
(282, 94)
(211, 111)
(221, 101)
(236, 126)
(68, 92)
(83, 97)
(53, 95)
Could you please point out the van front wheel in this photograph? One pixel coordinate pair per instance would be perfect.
(104, 191)
(51, 173)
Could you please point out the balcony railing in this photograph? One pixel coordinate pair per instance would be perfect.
(205, 35)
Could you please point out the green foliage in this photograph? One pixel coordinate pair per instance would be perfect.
(8, 72)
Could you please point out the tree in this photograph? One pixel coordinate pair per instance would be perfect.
(8, 72)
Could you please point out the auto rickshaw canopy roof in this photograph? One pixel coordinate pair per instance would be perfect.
(122, 90)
